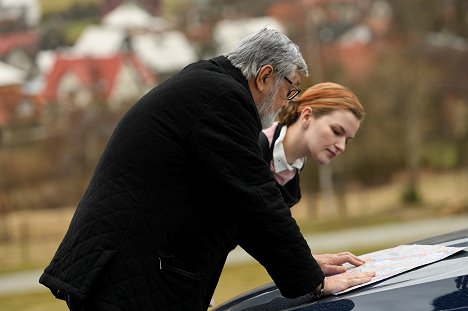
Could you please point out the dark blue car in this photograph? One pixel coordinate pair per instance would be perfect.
(442, 285)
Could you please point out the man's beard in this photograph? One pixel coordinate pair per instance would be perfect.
(265, 108)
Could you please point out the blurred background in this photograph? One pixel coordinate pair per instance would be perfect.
(69, 69)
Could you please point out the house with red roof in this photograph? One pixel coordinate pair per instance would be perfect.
(163, 52)
(78, 81)
(19, 49)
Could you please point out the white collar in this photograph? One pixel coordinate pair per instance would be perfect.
(279, 158)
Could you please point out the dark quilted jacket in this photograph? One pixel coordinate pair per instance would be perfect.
(180, 183)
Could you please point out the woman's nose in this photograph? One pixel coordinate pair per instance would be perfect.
(341, 145)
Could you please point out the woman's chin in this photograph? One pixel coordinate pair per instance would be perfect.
(324, 161)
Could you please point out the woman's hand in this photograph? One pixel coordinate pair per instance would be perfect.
(339, 282)
(333, 263)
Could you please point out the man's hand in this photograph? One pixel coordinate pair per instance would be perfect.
(333, 263)
(339, 282)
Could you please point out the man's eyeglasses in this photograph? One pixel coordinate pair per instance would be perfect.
(292, 93)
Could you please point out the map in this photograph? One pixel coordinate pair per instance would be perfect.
(392, 261)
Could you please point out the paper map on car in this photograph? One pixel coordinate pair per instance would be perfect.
(392, 261)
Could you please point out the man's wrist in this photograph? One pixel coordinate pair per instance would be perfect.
(318, 292)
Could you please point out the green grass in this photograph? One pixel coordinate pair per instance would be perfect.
(237, 279)
(37, 301)
(395, 215)
(54, 6)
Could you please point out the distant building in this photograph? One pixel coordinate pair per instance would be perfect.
(337, 34)
(78, 81)
(19, 13)
(131, 17)
(19, 49)
(11, 81)
(164, 52)
(227, 33)
(150, 6)
(90, 42)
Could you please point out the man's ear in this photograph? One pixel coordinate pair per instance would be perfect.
(264, 80)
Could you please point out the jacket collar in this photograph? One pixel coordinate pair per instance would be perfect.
(235, 73)
(229, 68)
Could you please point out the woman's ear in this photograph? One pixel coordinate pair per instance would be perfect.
(306, 116)
(264, 80)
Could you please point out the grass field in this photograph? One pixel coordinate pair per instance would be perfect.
(53, 6)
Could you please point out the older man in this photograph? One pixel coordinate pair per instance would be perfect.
(180, 183)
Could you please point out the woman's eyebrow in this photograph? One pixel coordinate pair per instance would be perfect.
(340, 128)
(343, 130)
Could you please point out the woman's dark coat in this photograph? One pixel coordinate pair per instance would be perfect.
(180, 183)
(290, 191)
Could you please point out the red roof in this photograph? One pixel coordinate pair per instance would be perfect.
(25, 40)
(93, 71)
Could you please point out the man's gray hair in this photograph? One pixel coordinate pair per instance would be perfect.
(268, 46)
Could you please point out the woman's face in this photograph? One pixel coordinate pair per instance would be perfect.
(327, 136)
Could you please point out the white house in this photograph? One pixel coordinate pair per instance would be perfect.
(163, 52)
(10, 75)
(129, 16)
(227, 33)
(97, 40)
(30, 10)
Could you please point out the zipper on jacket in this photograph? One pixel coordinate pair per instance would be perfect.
(164, 260)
